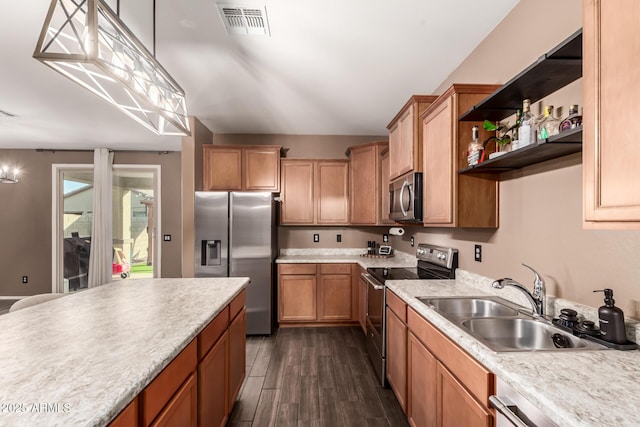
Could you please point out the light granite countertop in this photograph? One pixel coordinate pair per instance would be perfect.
(319, 256)
(79, 360)
(574, 388)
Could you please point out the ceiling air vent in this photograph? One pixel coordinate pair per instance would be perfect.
(243, 20)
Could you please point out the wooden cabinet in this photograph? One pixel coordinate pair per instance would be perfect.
(456, 406)
(314, 192)
(156, 396)
(450, 199)
(297, 192)
(404, 136)
(128, 417)
(397, 347)
(332, 191)
(422, 381)
(181, 409)
(297, 291)
(237, 355)
(446, 386)
(247, 168)
(611, 92)
(366, 183)
(317, 293)
(334, 293)
(201, 383)
(213, 382)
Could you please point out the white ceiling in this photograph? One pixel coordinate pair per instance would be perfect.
(330, 67)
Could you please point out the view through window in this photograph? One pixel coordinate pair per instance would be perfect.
(134, 206)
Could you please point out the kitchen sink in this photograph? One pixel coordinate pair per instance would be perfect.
(523, 334)
(505, 326)
(465, 307)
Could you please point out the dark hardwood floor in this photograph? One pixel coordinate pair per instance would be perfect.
(313, 377)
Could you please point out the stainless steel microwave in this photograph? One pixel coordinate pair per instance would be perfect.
(405, 198)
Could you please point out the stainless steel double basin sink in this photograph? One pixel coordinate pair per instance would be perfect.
(505, 326)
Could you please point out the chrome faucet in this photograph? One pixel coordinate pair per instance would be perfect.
(537, 298)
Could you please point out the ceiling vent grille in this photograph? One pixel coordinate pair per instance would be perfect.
(243, 20)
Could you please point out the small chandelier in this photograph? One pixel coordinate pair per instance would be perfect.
(6, 177)
(86, 41)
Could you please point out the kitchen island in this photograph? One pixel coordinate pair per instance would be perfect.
(572, 388)
(80, 360)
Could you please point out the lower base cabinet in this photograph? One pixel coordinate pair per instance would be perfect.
(200, 385)
(237, 356)
(456, 406)
(397, 346)
(310, 294)
(422, 375)
(182, 408)
(213, 399)
(446, 387)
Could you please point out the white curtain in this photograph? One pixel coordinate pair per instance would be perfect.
(101, 254)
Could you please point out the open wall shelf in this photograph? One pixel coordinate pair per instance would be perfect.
(568, 142)
(552, 71)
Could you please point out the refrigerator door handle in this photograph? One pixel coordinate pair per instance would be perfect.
(210, 252)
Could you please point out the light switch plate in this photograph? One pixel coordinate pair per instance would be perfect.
(167, 237)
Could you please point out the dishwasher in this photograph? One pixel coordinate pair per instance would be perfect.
(512, 409)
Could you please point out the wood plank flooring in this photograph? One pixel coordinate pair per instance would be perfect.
(313, 377)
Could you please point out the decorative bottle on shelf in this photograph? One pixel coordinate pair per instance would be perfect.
(527, 129)
(475, 150)
(572, 121)
(549, 125)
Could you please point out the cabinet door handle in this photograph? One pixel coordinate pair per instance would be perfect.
(509, 409)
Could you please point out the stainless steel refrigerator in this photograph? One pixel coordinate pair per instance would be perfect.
(236, 236)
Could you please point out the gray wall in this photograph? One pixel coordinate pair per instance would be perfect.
(25, 216)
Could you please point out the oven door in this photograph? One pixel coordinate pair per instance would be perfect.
(376, 339)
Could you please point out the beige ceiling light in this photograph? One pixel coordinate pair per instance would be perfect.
(87, 42)
(244, 20)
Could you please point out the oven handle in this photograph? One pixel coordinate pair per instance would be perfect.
(371, 281)
(509, 409)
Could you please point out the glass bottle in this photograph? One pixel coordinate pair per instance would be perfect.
(515, 143)
(549, 125)
(475, 149)
(527, 129)
(573, 121)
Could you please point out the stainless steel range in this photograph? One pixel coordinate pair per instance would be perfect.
(434, 263)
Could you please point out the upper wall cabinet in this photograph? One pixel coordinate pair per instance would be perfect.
(611, 92)
(449, 199)
(552, 71)
(366, 183)
(314, 192)
(249, 168)
(404, 136)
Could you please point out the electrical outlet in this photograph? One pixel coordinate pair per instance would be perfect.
(167, 237)
(338, 238)
(316, 238)
(477, 255)
(385, 238)
(413, 243)
(25, 279)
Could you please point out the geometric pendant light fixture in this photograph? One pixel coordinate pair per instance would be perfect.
(87, 42)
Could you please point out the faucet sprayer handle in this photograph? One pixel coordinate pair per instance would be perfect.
(538, 282)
